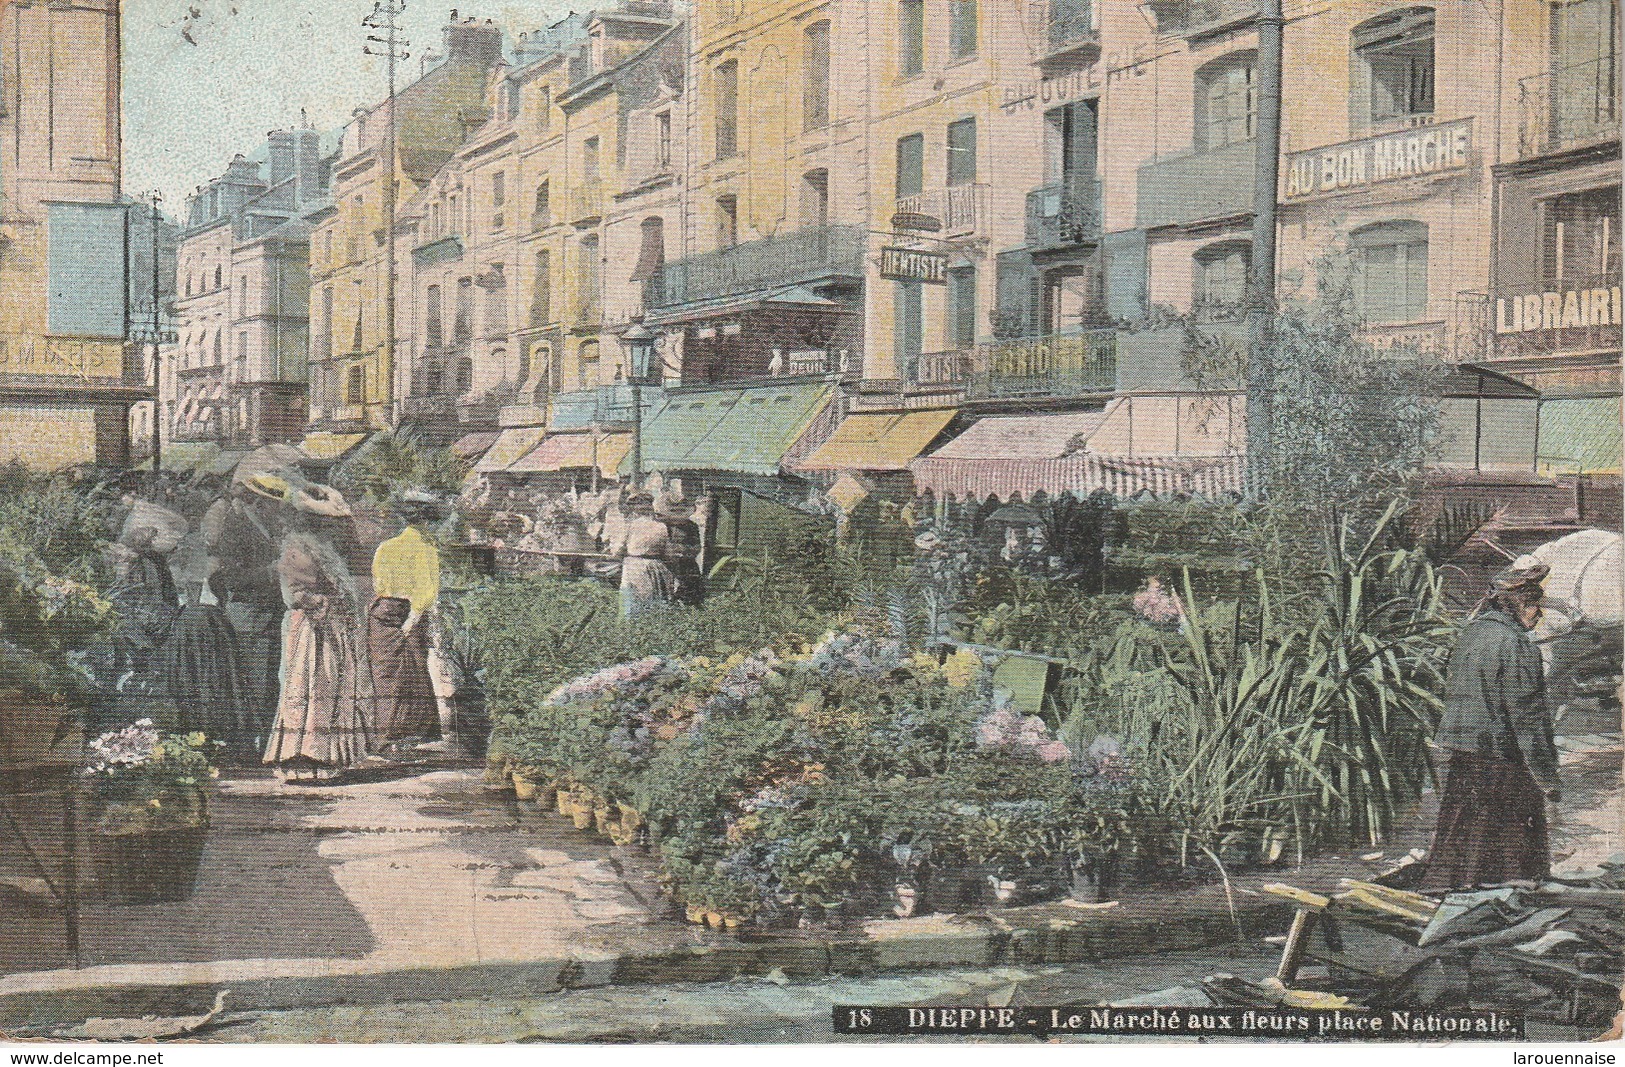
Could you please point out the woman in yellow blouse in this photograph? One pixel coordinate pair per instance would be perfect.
(406, 582)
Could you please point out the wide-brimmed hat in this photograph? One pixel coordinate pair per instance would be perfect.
(418, 503)
(316, 499)
(639, 500)
(1524, 573)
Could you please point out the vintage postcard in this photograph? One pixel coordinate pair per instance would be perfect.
(823, 521)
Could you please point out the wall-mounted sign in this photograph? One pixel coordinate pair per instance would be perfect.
(26, 353)
(1046, 91)
(1558, 309)
(907, 265)
(1426, 150)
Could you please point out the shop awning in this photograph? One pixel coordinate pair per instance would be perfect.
(1016, 457)
(878, 442)
(785, 296)
(227, 460)
(743, 431)
(575, 451)
(1580, 435)
(472, 446)
(510, 445)
(182, 456)
(324, 446)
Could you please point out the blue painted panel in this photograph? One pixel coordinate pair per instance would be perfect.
(86, 265)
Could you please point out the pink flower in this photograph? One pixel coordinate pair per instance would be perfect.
(1054, 752)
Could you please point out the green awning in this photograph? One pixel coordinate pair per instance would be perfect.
(742, 430)
(1580, 435)
(186, 456)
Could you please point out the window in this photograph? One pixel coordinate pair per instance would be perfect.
(1585, 86)
(815, 198)
(542, 214)
(510, 100)
(465, 375)
(242, 355)
(462, 324)
(355, 334)
(587, 273)
(907, 329)
(352, 234)
(327, 248)
(962, 152)
(589, 159)
(727, 221)
(1394, 55)
(1070, 140)
(587, 364)
(663, 140)
(242, 294)
(496, 310)
(541, 294)
(544, 107)
(961, 331)
(1226, 102)
(219, 355)
(217, 282)
(815, 77)
(962, 18)
(910, 37)
(324, 344)
(910, 165)
(499, 198)
(1581, 236)
(452, 219)
(1391, 275)
(1220, 280)
(355, 385)
(726, 100)
(651, 250)
(432, 332)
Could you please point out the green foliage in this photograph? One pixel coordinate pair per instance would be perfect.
(393, 462)
(139, 778)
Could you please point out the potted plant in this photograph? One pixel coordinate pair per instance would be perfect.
(146, 800)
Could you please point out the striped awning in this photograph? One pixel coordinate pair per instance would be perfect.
(878, 442)
(510, 445)
(575, 451)
(1003, 478)
(472, 446)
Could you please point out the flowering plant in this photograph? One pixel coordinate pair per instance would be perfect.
(140, 778)
(1159, 606)
(1007, 729)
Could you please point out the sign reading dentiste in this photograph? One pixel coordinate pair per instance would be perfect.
(907, 265)
(1417, 153)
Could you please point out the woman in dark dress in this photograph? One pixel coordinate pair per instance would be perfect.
(1497, 734)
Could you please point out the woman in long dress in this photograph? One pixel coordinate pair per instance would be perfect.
(205, 674)
(323, 724)
(406, 583)
(646, 580)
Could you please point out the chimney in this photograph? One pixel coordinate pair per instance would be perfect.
(472, 43)
(281, 151)
(307, 165)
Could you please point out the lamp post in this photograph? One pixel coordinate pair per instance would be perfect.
(639, 343)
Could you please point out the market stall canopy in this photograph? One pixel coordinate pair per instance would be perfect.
(330, 446)
(878, 442)
(510, 445)
(472, 446)
(747, 430)
(1580, 435)
(575, 451)
(1009, 457)
(1585, 580)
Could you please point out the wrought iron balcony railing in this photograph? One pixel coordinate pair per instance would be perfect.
(956, 209)
(1057, 365)
(805, 255)
(1065, 214)
(1568, 107)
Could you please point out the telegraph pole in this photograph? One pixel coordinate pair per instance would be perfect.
(1261, 275)
(156, 340)
(387, 35)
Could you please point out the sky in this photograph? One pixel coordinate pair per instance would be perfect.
(189, 107)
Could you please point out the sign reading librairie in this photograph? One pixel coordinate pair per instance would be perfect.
(1415, 153)
(907, 265)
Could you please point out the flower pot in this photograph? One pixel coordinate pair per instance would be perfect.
(581, 813)
(713, 919)
(631, 817)
(694, 915)
(563, 802)
(145, 867)
(732, 922)
(605, 819)
(524, 786)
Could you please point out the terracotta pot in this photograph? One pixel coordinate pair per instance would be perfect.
(524, 786)
(581, 814)
(563, 802)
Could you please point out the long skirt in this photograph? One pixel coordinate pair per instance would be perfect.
(206, 680)
(645, 583)
(323, 716)
(402, 685)
(1492, 825)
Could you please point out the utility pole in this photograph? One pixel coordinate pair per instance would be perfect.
(153, 200)
(1261, 275)
(388, 35)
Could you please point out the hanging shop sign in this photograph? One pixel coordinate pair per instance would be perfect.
(1372, 161)
(907, 265)
(1558, 309)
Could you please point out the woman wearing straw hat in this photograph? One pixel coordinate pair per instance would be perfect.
(323, 723)
(1497, 734)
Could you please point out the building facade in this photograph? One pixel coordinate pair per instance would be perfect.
(67, 375)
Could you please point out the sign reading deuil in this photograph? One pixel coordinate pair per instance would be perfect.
(1558, 309)
(907, 265)
(1417, 153)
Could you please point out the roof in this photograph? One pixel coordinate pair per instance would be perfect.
(745, 430)
(879, 442)
(473, 445)
(510, 445)
(1023, 436)
(575, 451)
(1580, 435)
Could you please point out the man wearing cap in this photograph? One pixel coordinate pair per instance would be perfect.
(1497, 735)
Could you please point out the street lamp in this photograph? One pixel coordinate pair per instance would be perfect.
(639, 343)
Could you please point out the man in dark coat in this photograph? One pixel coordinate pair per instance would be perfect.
(1497, 734)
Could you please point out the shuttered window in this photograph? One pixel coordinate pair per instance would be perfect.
(910, 165)
(962, 152)
(815, 77)
(911, 37)
(961, 330)
(1391, 276)
(541, 294)
(962, 28)
(726, 101)
(909, 332)
(432, 325)
(652, 249)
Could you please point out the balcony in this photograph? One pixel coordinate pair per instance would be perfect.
(1070, 30)
(1192, 18)
(1065, 365)
(1197, 186)
(807, 255)
(1059, 216)
(587, 201)
(444, 250)
(1570, 107)
(954, 210)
